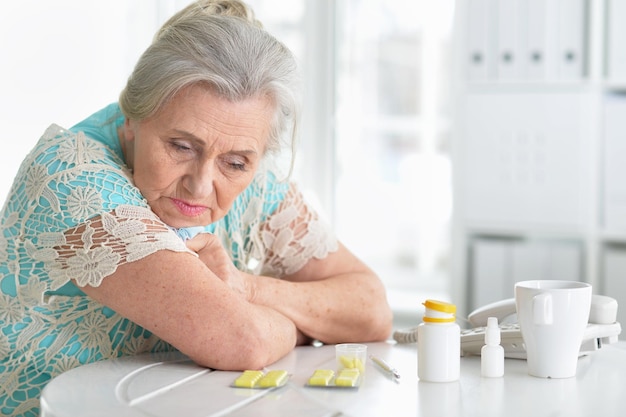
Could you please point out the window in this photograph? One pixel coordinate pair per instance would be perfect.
(383, 118)
(392, 132)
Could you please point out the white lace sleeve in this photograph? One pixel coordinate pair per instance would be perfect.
(73, 212)
(92, 251)
(293, 235)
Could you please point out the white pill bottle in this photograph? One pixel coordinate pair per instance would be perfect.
(439, 343)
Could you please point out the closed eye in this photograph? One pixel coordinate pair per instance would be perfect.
(237, 166)
(181, 146)
(235, 162)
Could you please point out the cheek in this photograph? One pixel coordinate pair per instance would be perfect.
(151, 176)
(227, 190)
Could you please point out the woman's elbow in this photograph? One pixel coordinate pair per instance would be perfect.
(380, 324)
(252, 349)
(244, 356)
(379, 317)
(374, 323)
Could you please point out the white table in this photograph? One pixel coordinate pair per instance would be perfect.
(171, 385)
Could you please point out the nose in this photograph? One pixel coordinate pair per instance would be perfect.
(199, 179)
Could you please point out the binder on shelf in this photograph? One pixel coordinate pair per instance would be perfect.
(508, 53)
(536, 57)
(614, 167)
(613, 282)
(510, 40)
(480, 40)
(571, 39)
(616, 41)
(491, 269)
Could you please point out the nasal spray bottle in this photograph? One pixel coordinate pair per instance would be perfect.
(439, 343)
(492, 354)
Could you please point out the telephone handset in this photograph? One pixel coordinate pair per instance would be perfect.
(603, 311)
(602, 328)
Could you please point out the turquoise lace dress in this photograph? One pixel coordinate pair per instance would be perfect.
(74, 213)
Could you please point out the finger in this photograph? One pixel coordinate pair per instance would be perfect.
(200, 241)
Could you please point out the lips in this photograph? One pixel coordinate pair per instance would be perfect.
(187, 209)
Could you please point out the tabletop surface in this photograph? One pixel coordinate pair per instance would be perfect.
(160, 385)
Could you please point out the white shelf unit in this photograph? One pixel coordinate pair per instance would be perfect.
(539, 146)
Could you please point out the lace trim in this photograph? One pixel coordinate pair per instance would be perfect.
(94, 250)
(293, 235)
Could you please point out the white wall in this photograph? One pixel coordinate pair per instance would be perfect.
(61, 61)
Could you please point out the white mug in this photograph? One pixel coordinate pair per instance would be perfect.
(553, 316)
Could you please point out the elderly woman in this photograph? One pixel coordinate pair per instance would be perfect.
(161, 223)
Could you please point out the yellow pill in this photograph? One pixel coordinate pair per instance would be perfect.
(248, 379)
(358, 364)
(273, 379)
(347, 361)
(321, 377)
(347, 378)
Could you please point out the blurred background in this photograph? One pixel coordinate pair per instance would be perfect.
(375, 137)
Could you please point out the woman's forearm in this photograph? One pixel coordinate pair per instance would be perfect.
(350, 307)
(196, 312)
(333, 299)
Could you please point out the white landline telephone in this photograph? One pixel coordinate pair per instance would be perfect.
(602, 328)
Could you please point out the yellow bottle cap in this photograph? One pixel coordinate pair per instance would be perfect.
(441, 306)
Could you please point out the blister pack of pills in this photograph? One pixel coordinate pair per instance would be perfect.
(260, 379)
(345, 378)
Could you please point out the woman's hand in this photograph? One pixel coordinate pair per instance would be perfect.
(212, 254)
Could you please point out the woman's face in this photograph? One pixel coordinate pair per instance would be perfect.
(193, 158)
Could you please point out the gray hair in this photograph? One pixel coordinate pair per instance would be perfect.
(236, 59)
(235, 8)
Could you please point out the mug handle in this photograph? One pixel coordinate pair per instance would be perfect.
(542, 309)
